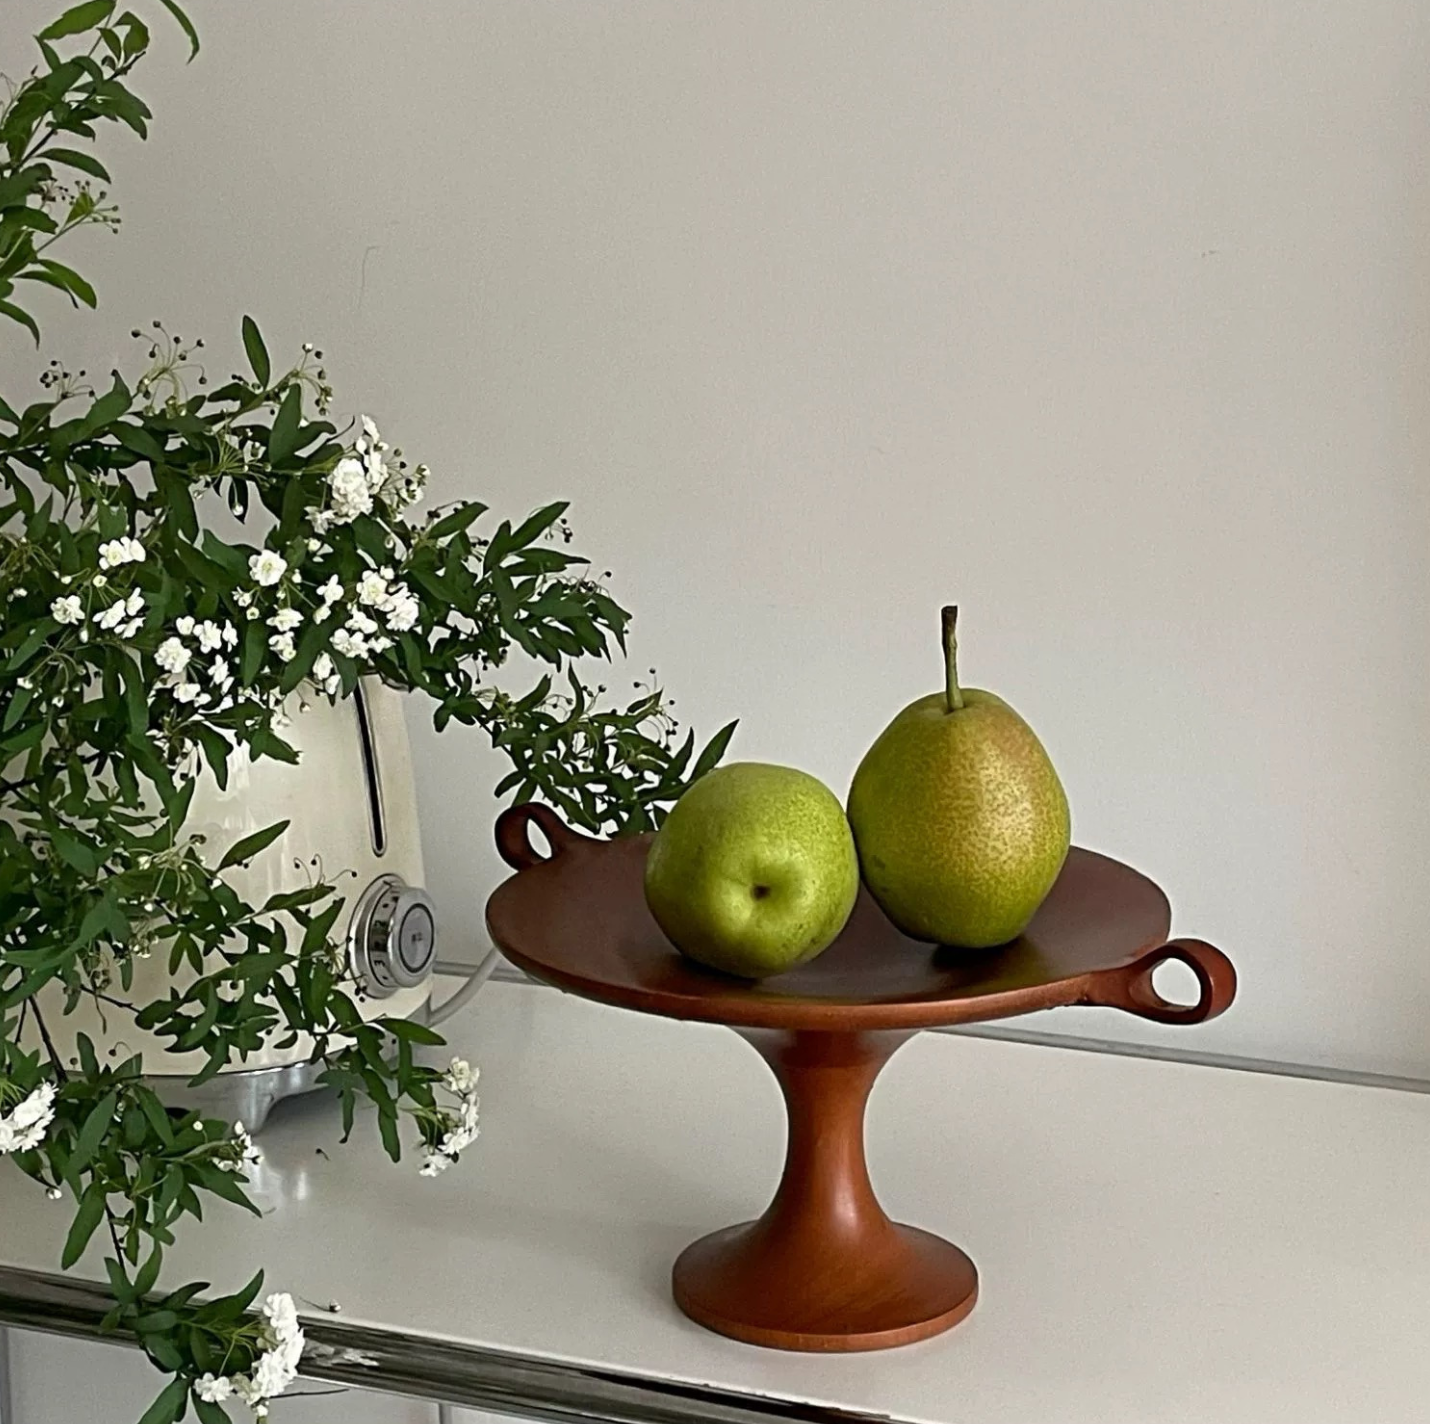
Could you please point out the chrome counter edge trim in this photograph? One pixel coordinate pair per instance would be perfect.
(472, 1376)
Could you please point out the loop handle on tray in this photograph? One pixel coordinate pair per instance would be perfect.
(514, 834)
(1130, 988)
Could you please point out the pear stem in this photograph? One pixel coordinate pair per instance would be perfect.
(952, 691)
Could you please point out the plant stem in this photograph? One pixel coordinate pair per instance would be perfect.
(953, 694)
(55, 1060)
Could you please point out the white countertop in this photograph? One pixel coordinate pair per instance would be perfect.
(1156, 1241)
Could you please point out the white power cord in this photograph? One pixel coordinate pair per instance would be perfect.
(475, 974)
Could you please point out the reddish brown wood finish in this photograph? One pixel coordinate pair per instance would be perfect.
(824, 1268)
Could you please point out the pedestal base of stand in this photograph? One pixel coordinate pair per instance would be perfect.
(824, 1268)
(739, 1283)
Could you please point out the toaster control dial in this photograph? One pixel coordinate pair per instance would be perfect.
(393, 937)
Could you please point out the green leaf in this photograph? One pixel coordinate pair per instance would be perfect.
(78, 19)
(283, 438)
(250, 846)
(139, 440)
(104, 915)
(185, 24)
(170, 1404)
(23, 317)
(74, 852)
(148, 1272)
(257, 351)
(107, 409)
(86, 1221)
(714, 750)
(533, 528)
(209, 1412)
(413, 1032)
(101, 1115)
(255, 645)
(85, 162)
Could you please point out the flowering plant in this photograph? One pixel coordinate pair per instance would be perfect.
(140, 650)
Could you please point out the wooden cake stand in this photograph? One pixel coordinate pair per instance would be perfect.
(824, 1268)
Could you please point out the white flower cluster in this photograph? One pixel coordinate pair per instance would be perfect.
(121, 551)
(362, 634)
(177, 658)
(274, 1370)
(326, 675)
(359, 480)
(459, 1124)
(24, 1127)
(241, 1153)
(123, 617)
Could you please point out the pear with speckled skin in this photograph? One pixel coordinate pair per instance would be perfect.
(754, 871)
(960, 820)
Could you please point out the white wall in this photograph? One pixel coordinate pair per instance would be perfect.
(1107, 320)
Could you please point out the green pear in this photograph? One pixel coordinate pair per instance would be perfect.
(754, 870)
(961, 822)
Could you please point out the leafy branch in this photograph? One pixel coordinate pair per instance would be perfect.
(141, 653)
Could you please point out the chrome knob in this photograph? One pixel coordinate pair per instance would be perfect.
(393, 940)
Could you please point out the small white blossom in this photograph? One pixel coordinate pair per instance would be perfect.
(134, 603)
(360, 622)
(282, 1316)
(331, 591)
(67, 609)
(111, 617)
(267, 568)
(350, 645)
(403, 612)
(24, 1128)
(286, 620)
(213, 1389)
(379, 644)
(461, 1077)
(172, 656)
(277, 1367)
(230, 635)
(185, 625)
(326, 675)
(219, 674)
(210, 635)
(99, 581)
(189, 692)
(434, 1163)
(244, 1156)
(372, 589)
(282, 644)
(351, 492)
(121, 551)
(54, 1194)
(243, 598)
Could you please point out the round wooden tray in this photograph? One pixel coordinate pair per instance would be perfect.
(824, 1268)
